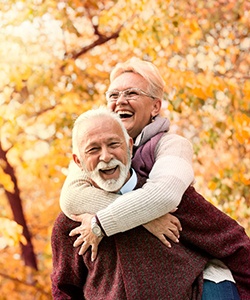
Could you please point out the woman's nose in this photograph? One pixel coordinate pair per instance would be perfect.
(121, 99)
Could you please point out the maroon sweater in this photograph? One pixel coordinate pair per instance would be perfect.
(205, 227)
(131, 265)
(135, 265)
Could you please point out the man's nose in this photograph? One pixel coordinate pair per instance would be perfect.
(105, 155)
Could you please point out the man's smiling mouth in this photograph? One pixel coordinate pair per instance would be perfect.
(109, 171)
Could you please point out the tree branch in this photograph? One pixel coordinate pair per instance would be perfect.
(102, 39)
(30, 284)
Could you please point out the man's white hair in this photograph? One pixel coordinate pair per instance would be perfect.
(89, 115)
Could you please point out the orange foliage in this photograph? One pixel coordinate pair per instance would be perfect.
(58, 55)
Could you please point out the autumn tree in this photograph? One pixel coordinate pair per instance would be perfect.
(56, 57)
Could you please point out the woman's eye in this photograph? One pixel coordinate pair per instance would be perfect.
(114, 95)
(132, 93)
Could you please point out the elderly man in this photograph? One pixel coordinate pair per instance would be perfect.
(131, 265)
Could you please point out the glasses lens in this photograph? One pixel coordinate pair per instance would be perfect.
(131, 94)
(112, 95)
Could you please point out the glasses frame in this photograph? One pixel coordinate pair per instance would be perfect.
(140, 93)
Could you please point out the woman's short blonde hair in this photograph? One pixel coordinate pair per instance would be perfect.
(144, 68)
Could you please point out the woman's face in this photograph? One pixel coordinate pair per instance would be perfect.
(135, 114)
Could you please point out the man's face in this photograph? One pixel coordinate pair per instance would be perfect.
(105, 156)
(135, 114)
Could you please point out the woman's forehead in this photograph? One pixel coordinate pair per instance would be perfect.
(128, 80)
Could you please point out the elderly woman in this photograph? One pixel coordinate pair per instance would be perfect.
(135, 93)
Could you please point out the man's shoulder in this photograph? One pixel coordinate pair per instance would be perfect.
(62, 222)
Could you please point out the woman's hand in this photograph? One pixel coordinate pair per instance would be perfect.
(86, 237)
(167, 226)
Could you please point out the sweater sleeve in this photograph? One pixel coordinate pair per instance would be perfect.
(208, 229)
(69, 272)
(171, 175)
(79, 196)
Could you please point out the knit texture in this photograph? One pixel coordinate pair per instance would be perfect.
(206, 228)
(161, 194)
(69, 271)
(136, 265)
(131, 265)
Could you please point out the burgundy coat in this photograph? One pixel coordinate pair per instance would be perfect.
(204, 226)
(136, 265)
(131, 265)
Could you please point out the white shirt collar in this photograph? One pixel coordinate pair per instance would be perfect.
(130, 184)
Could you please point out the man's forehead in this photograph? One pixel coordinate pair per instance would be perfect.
(104, 137)
(100, 133)
(103, 124)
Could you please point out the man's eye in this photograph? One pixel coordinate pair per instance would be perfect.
(92, 150)
(114, 144)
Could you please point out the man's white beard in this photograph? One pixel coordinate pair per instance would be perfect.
(110, 185)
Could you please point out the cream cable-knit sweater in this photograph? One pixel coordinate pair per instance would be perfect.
(169, 178)
(171, 175)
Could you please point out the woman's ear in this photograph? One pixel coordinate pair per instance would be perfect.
(131, 143)
(156, 107)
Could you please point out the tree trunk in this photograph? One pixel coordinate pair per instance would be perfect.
(17, 209)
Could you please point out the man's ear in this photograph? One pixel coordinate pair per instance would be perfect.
(156, 107)
(77, 160)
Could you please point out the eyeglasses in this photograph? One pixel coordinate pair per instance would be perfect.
(129, 94)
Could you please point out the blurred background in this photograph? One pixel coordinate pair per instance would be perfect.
(55, 60)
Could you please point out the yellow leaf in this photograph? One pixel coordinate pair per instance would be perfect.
(6, 181)
(212, 185)
(11, 233)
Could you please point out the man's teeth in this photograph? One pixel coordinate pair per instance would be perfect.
(109, 171)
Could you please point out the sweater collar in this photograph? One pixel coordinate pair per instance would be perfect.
(159, 124)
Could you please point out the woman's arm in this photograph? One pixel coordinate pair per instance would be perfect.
(168, 180)
(79, 196)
